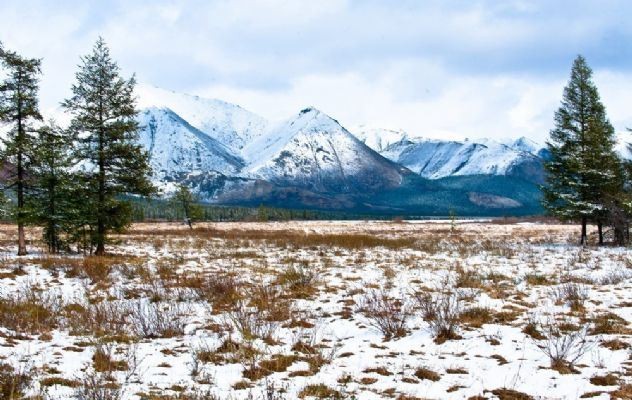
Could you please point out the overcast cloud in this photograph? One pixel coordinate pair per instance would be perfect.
(433, 68)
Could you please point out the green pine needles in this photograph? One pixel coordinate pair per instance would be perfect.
(585, 176)
(73, 181)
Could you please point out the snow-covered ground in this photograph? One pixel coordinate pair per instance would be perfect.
(290, 309)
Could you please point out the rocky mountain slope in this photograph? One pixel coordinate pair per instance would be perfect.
(176, 148)
(312, 150)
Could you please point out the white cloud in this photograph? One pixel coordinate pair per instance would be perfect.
(440, 69)
(459, 107)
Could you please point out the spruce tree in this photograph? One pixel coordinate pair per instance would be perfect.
(188, 202)
(55, 203)
(583, 172)
(19, 109)
(113, 164)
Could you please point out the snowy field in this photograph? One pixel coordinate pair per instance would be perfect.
(358, 310)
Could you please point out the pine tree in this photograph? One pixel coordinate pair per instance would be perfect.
(104, 121)
(584, 172)
(620, 211)
(55, 200)
(188, 202)
(262, 214)
(20, 110)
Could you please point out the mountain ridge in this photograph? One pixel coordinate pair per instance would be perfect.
(229, 155)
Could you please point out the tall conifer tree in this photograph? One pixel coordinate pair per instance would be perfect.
(55, 202)
(584, 171)
(104, 119)
(19, 109)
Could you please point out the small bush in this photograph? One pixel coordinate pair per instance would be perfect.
(572, 294)
(250, 323)
(299, 280)
(96, 386)
(563, 347)
(442, 312)
(221, 290)
(387, 314)
(151, 320)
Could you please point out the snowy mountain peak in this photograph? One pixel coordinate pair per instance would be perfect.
(525, 144)
(379, 138)
(309, 110)
(307, 121)
(314, 120)
(312, 150)
(227, 123)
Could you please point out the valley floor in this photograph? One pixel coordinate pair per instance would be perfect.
(363, 310)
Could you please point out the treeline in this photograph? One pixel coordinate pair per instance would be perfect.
(71, 180)
(587, 180)
(155, 209)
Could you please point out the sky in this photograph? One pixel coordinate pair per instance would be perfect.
(440, 69)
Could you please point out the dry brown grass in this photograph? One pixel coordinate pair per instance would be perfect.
(31, 311)
(427, 374)
(510, 394)
(300, 281)
(14, 382)
(608, 323)
(476, 316)
(103, 360)
(320, 391)
(283, 238)
(222, 290)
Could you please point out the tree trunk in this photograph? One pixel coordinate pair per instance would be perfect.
(21, 240)
(600, 230)
(101, 206)
(583, 240)
(20, 187)
(187, 215)
(100, 240)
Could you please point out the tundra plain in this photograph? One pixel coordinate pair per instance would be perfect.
(285, 310)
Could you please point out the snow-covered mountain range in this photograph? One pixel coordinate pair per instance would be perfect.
(435, 159)
(227, 154)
